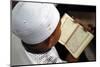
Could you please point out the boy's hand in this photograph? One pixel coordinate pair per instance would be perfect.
(71, 59)
(86, 26)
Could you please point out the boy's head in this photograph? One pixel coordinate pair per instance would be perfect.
(36, 24)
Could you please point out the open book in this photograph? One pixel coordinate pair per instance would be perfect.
(73, 36)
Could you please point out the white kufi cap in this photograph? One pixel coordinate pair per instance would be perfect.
(34, 22)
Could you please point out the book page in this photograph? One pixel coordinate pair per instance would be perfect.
(83, 45)
(65, 18)
(76, 39)
(67, 28)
